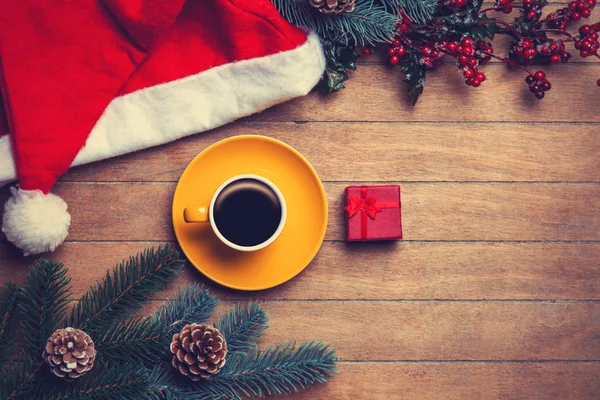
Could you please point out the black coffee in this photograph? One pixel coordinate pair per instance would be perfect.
(247, 212)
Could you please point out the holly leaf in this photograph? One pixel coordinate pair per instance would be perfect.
(482, 31)
(339, 59)
(415, 75)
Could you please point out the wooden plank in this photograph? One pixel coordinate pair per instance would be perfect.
(436, 211)
(435, 331)
(532, 381)
(409, 270)
(391, 152)
(376, 93)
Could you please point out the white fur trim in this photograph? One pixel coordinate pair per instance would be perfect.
(166, 112)
(34, 222)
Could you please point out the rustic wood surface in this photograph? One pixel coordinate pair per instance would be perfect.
(495, 291)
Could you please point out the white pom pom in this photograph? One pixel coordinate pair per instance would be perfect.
(35, 222)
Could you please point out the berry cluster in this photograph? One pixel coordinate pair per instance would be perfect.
(538, 84)
(454, 3)
(574, 12)
(533, 9)
(396, 51)
(504, 5)
(587, 41)
(523, 51)
(468, 57)
(555, 50)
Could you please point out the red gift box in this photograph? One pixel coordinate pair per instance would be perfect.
(373, 213)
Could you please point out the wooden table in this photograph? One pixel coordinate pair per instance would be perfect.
(493, 294)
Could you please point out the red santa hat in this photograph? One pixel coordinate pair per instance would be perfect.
(87, 80)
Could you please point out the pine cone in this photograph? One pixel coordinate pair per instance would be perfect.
(70, 353)
(199, 351)
(333, 6)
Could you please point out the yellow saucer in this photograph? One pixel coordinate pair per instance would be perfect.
(306, 212)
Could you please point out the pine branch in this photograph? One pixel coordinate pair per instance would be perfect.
(139, 341)
(279, 370)
(164, 385)
(123, 382)
(43, 303)
(419, 11)
(191, 304)
(125, 289)
(17, 377)
(367, 24)
(9, 296)
(145, 340)
(240, 326)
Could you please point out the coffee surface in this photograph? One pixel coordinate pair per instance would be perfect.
(247, 212)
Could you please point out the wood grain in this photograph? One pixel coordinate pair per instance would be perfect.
(391, 152)
(403, 271)
(434, 331)
(436, 211)
(460, 381)
(376, 93)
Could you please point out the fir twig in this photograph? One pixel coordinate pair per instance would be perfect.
(9, 296)
(282, 369)
(123, 382)
(18, 376)
(419, 11)
(125, 289)
(134, 340)
(43, 303)
(242, 325)
(191, 304)
(369, 22)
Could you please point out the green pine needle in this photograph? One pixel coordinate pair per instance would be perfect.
(283, 369)
(139, 341)
(242, 325)
(43, 303)
(123, 382)
(369, 23)
(17, 377)
(9, 296)
(125, 289)
(420, 11)
(191, 304)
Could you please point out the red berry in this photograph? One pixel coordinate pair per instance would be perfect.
(366, 51)
(473, 62)
(394, 60)
(476, 83)
(480, 77)
(531, 14)
(467, 42)
(540, 75)
(586, 13)
(435, 54)
(444, 44)
(539, 95)
(400, 51)
(555, 58)
(594, 36)
(563, 27)
(406, 20)
(598, 82)
(584, 53)
(426, 50)
(553, 46)
(529, 79)
(403, 27)
(546, 86)
(427, 60)
(507, 9)
(396, 43)
(576, 16)
(460, 3)
(469, 73)
(578, 44)
(459, 48)
(391, 51)
(452, 46)
(468, 51)
(526, 44)
(530, 53)
(462, 59)
(489, 50)
(590, 3)
(573, 6)
(580, 6)
(561, 47)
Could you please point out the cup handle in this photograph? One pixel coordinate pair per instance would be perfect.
(195, 214)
